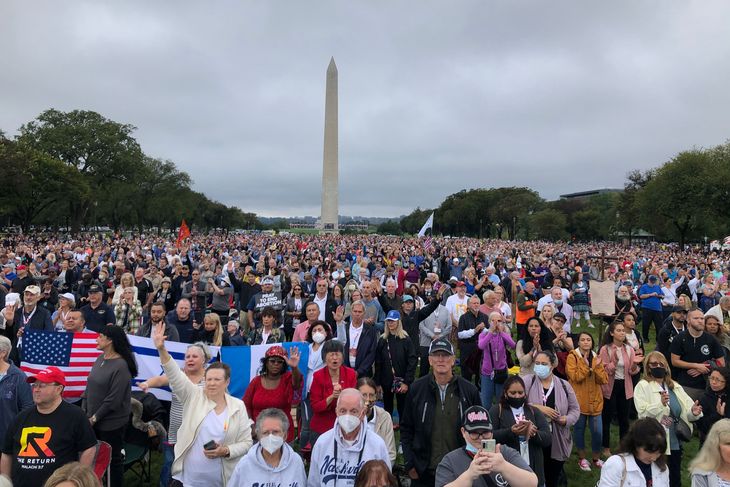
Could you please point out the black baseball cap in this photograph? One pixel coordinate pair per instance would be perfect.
(476, 418)
(441, 345)
(94, 289)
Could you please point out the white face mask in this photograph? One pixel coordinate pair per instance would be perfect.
(271, 443)
(348, 423)
(318, 337)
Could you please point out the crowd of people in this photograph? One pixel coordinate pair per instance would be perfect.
(444, 361)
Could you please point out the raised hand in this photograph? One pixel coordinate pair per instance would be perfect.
(293, 358)
(158, 335)
(720, 408)
(9, 312)
(339, 314)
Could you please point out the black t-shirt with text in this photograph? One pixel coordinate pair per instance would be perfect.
(695, 350)
(42, 443)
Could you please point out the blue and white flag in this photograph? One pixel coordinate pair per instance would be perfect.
(148, 361)
(245, 363)
(426, 226)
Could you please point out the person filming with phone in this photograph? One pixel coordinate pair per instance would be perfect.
(483, 462)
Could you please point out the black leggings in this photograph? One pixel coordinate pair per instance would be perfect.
(675, 468)
(617, 405)
(552, 468)
(115, 438)
(425, 366)
(388, 397)
(647, 317)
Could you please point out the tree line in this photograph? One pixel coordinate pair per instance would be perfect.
(79, 169)
(683, 200)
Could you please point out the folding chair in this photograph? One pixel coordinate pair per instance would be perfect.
(102, 460)
(137, 460)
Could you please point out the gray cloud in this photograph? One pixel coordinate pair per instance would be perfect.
(434, 96)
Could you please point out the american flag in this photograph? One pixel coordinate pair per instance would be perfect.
(427, 243)
(73, 353)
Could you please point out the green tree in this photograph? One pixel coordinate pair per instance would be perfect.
(390, 227)
(548, 224)
(102, 151)
(679, 198)
(34, 181)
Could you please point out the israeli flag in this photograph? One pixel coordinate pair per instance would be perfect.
(148, 361)
(245, 363)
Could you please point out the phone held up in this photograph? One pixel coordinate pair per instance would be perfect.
(489, 446)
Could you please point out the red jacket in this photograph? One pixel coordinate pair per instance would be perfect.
(323, 417)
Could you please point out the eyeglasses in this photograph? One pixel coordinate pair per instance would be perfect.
(43, 385)
(719, 380)
(483, 435)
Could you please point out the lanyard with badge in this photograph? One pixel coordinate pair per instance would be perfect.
(519, 415)
(359, 456)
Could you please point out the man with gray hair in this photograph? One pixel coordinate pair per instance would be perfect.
(360, 341)
(271, 461)
(339, 453)
(14, 389)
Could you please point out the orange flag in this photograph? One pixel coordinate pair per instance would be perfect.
(183, 234)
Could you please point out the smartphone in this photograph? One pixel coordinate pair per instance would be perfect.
(489, 446)
(211, 445)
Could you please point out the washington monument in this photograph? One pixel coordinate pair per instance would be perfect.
(330, 184)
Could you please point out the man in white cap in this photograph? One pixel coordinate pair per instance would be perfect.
(17, 318)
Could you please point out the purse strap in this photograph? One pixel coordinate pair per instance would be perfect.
(390, 356)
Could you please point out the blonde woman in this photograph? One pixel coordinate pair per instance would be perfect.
(658, 396)
(128, 311)
(711, 466)
(72, 474)
(127, 280)
(212, 333)
(395, 363)
(547, 313)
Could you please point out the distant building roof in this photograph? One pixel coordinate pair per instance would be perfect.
(587, 194)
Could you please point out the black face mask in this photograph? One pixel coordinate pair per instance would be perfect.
(658, 372)
(516, 402)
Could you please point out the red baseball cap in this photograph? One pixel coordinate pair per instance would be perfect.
(49, 376)
(276, 351)
(21, 267)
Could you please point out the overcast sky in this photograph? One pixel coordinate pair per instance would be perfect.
(434, 96)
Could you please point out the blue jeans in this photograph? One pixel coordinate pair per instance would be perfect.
(490, 390)
(168, 456)
(595, 424)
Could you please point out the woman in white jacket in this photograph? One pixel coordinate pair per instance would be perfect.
(215, 431)
(641, 458)
(658, 396)
(271, 461)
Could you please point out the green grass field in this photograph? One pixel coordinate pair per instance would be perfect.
(576, 477)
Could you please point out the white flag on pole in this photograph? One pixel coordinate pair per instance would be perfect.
(426, 226)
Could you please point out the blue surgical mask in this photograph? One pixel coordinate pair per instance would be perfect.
(558, 302)
(471, 448)
(542, 371)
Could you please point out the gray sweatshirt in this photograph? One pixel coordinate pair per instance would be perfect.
(108, 394)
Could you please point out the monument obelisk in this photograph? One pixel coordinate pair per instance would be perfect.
(330, 183)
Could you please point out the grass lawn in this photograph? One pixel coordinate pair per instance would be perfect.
(576, 477)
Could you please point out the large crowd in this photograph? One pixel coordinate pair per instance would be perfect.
(440, 361)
